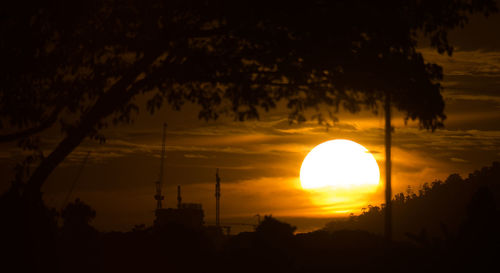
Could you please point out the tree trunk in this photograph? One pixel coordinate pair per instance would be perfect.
(119, 94)
(388, 206)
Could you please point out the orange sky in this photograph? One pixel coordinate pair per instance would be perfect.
(259, 161)
(259, 164)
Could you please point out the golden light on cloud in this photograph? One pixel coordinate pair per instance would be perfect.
(339, 174)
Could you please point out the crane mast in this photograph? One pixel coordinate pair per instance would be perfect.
(217, 198)
(158, 196)
(76, 180)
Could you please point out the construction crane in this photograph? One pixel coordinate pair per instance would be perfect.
(158, 196)
(241, 224)
(247, 224)
(77, 177)
(217, 198)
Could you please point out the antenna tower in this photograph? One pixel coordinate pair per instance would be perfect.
(159, 183)
(217, 198)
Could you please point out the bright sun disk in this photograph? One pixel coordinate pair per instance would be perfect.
(339, 163)
(339, 170)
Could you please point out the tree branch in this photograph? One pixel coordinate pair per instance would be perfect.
(120, 93)
(34, 130)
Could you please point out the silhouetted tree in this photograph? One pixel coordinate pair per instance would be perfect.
(77, 215)
(271, 226)
(28, 234)
(271, 248)
(80, 64)
(78, 241)
(274, 235)
(440, 209)
(479, 238)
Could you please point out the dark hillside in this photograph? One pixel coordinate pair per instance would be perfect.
(437, 209)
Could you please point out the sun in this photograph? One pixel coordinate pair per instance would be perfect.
(340, 170)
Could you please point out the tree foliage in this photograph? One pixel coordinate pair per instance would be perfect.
(78, 65)
(77, 214)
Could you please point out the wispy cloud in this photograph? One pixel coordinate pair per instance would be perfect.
(477, 62)
(459, 160)
(195, 156)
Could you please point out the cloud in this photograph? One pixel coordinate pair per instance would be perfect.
(471, 96)
(459, 160)
(195, 156)
(462, 63)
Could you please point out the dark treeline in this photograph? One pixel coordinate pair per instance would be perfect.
(464, 210)
(436, 209)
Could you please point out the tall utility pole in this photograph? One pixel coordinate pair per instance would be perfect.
(159, 183)
(217, 199)
(388, 194)
(179, 198)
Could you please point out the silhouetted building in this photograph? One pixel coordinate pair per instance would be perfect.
(189, 215)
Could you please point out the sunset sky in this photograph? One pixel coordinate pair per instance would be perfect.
(259, 161)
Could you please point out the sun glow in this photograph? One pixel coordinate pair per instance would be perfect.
(339, 171)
